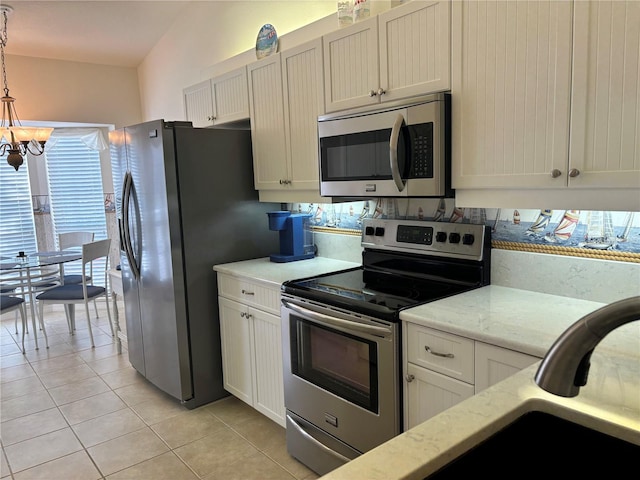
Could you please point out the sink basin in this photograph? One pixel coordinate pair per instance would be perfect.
(542, 445)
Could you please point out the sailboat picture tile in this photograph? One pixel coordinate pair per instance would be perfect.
(595, 230)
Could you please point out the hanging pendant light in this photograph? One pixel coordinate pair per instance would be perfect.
(18, 140)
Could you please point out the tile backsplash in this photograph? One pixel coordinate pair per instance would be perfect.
(590, 230)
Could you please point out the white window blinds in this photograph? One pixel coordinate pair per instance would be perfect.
(17, 232)
(75, 188)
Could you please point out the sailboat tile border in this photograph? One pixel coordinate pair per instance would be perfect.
(607, 235)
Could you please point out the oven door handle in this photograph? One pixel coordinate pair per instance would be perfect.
(315, 442)
(329, 321)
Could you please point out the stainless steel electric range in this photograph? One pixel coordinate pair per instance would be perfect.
(341, 334)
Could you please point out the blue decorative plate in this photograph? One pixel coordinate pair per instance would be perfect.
(267, 41)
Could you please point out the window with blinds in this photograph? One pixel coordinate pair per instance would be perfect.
(18, 232)
(75, 192)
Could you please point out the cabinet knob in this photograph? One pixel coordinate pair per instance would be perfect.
(409, 378)
(242, 314)
(574, 172)
(555, 173)
(247, 292)
(381, 92)
(285, 182)
(372, 93)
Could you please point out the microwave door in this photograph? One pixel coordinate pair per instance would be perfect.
(393, 153)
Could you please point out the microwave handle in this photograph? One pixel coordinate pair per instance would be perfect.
(393, 153)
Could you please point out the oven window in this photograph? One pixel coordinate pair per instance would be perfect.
(340, 363)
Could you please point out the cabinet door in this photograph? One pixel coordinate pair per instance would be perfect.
(415, 49)
(494, 364)
(605, 106)
(236, 337)
(269, 386)
(230, 94)
(351, 72)
(429, 393)
(304, 102)
(267, 123)
(511, 74)
(198, 104)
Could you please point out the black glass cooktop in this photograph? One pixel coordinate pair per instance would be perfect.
(378, 294)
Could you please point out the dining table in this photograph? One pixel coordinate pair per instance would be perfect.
(25, 272)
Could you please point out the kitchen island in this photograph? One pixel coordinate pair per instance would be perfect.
(527, 322)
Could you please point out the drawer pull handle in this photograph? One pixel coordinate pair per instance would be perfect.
(247, 292)
(438, 354)
(410, 378)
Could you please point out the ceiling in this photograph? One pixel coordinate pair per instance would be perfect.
(108, 32)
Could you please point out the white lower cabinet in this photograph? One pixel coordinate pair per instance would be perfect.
(429, 393)
(251, 344)
(442, 369)
(494, 364)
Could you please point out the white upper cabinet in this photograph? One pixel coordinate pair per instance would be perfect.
(546, 95)
(511, 81)
(266, 108)
(198, 106)
(286, 98)
(219, 100)
(415, 49)
(351, 76)
(401, 53)
(230, 97)
(303, 103)
(605, 104)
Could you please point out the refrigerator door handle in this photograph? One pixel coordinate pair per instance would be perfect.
(128, 248)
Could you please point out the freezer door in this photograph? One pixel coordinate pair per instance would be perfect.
(157, 250)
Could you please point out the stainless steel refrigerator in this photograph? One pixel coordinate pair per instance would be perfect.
(185, 202)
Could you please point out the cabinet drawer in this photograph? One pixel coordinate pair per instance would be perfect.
(442, 352)
(250, 292)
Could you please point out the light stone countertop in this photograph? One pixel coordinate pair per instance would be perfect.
(521, 320)
(524, 321)
(264, 270)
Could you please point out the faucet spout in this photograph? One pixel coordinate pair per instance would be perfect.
(565, 367)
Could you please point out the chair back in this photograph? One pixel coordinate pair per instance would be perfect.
(74, 239)
(93, 251)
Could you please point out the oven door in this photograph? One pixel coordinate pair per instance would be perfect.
(341, 375)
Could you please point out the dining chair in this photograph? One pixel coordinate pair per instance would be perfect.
(26, 283)
(10, 303)
(76, 239)
(69, 295)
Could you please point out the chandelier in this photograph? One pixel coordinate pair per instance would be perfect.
(18, 140)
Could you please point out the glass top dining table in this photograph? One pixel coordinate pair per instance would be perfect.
(40, 259)
(25, 273)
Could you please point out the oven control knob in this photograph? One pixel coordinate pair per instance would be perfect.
(379, 231)
(454, 237)
(441, 236)
(368, 231)
(468, 239)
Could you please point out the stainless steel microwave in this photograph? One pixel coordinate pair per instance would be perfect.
(392, 151)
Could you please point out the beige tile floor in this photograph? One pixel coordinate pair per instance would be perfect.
(73, 412)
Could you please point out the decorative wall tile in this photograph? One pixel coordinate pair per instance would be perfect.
(588, 231)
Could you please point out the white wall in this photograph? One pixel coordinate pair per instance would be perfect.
(57, 91)
(210, 36)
